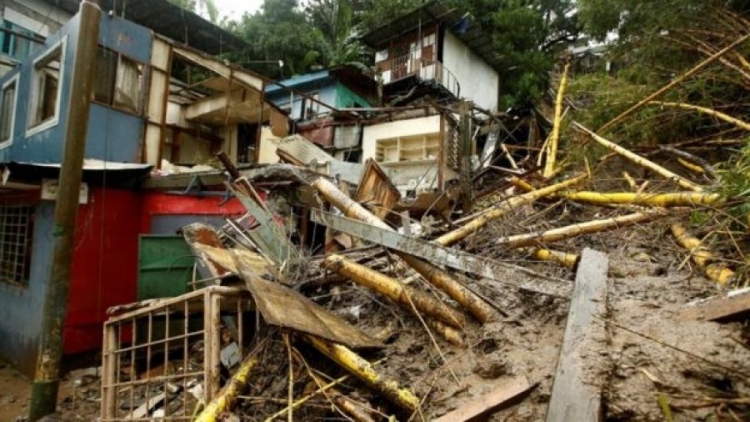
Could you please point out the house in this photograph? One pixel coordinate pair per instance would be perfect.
(318, 104)
(156, 102)
(438, 48)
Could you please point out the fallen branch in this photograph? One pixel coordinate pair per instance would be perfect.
(439, 278)
(363, 370)
(700, 66)
(692, 159)
(551, 150)
(676, 199)
(227, 397)
(705, 110)
(637, 159)
(394, 290)
(503, 208)
(565, 259)
(567, 232)
(703, 257)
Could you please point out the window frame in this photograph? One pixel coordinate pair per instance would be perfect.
(31, 128)
(143, 89)
(30, 229)
(15, 80)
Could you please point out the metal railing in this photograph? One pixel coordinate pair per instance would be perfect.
(427, 70)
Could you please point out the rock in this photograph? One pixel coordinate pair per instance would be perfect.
(492, 366)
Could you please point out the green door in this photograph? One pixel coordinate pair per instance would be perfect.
(165, 266)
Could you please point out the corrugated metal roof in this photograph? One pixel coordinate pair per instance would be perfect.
(299, 81)
(471, 35)
(169, 20)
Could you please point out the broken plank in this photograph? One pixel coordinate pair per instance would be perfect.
(488, 402)
(733, 304)
(574, 397)
(486, 268)
(144, 410)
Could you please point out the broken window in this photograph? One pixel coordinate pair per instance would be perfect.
(45, 93)
(16, 231)
(8, 110)
(119, 81)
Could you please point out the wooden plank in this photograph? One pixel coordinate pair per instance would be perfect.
(574, 398)
(733, 304)
(502, 395)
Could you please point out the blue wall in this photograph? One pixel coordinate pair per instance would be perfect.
(20, 307)
(113, 135)
(321, 82)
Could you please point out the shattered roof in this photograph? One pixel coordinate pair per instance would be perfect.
(471, 33)
(169, 20)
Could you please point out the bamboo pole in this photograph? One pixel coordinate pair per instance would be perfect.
(565, 259)
(449, 333)
(705, 110)
(521, 184)
(631, 182)
(503, 208)
(393, 290)
(637, 159)
(574, 230)
(549, 165)
(674, 199)
(363, 370)
(439, 278)
(674, 82)
(297, 404)
(227, 397)
(695, 168)
(703, 257)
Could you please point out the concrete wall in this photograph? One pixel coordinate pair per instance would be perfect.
(479, 82)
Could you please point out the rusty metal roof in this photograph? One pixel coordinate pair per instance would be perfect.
(471, 35)
(168, 20)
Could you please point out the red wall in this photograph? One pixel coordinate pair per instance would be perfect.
(105, 264)
(156, 203)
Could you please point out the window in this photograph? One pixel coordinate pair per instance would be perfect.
(16, 233)
(408, 148)
(8, 96)
(46, 91)
(311, 106)
(13, 45)
(119, 81)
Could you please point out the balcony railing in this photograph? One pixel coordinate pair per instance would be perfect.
(427, 70)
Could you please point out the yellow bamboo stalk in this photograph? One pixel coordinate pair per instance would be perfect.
(549, 165)
(637, 159)
(392, 289)
(674, 199)
(703, 257)
(503, 208)
(439, 278)
(700, 66)
(297, 404)
(631, 182)
(449, 333)
(690, 166)
(363, 370)
(565, 259)
(227, 397)
(521, 184)
(705, 110)
(574, 230)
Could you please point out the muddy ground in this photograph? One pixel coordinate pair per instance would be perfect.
(648, 286)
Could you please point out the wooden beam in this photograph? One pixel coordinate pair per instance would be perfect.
(574, 397)
(733, 304)
(503, 395)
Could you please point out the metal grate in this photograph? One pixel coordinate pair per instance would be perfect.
(165, 360)
(16, 228)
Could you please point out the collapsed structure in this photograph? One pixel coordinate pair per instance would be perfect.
(335, 242)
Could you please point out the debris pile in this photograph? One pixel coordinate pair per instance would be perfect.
(521, 295)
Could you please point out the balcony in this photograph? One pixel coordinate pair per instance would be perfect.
(408, 66)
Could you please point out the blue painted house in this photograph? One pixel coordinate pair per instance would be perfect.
(148, 107)
(336, 88)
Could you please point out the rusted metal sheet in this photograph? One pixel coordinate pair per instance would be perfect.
(284, 307)
(321, 134)
(486, 268)
(375, 190)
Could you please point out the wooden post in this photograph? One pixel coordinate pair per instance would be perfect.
(47, 377)
(574, 398)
